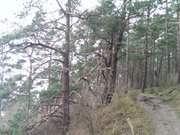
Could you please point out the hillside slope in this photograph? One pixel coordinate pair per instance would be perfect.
(122, 116)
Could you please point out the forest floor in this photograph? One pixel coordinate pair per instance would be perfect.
(164, 117)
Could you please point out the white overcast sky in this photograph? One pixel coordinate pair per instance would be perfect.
(9, 9)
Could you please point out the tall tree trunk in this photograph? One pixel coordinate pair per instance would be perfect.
(144, 85)
(112, 70)
(169, 62)
(132, 74)
(29, 85)
(2, 64)
(178, 44)
(159, 68)
(152, 64)
(107, 75)
(66, 68)
(1, 113)
(116, 43)
(168, 49)
(112, 75)
(49, 69)
(176, 56)
(127, 59)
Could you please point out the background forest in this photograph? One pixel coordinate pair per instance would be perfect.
(88, 55)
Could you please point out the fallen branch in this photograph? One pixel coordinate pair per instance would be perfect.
(130, 125)
(43, 120)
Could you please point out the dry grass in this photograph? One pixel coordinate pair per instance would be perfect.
(112, 119)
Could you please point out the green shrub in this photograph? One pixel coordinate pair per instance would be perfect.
(16, 125)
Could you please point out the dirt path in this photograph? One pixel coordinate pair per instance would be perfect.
(164, 117)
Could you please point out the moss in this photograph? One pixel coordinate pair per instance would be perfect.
(112, 119)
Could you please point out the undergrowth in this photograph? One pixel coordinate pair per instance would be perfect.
(113, 119)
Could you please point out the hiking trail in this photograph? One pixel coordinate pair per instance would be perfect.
(164, 117)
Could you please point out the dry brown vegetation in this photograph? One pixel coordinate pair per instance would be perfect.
(117, 118)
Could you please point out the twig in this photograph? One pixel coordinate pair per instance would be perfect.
(130, 125)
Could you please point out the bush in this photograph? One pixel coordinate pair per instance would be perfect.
(16, 125)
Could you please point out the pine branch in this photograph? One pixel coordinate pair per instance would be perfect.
(30, 44)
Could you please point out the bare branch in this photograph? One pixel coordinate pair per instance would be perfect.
(30, 44)
(35, 69)
(43, 120)
(59, 28)
(58, 60)
(61, 8)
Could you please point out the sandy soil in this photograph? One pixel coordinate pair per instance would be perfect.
(165, 119)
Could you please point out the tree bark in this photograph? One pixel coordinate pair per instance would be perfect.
(158, 71)
(30, 83)
(0, 112)
(152, 64)
(66, 68)
(144, 85)
(178, 44)
(29, 86)
(168, 49)
(127, 60)
(49, 69)
(132, 74)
